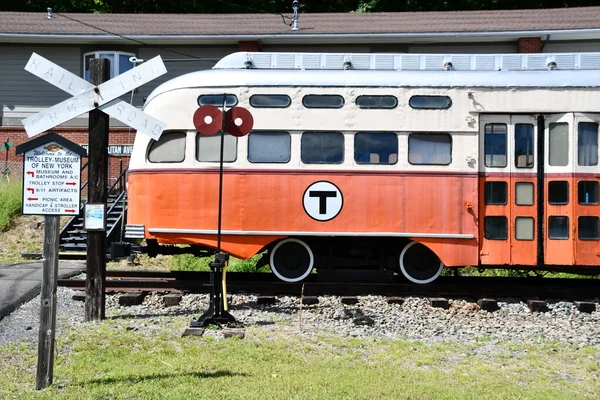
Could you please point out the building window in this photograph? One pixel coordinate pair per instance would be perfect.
(429, 148)
(119, 62)
(587, 144)
(524, 146)
(495, 145)
(217, 100)
(322, 147)
(270, 101)
(323, 101)
(496, 193)
(169, 148)
(376, 148)
(376, 102)
(430, 102)
(269, 147)
(208, 148)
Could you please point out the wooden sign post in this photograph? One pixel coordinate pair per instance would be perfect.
(51, 187)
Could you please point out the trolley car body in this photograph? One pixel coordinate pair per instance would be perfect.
(486, 160)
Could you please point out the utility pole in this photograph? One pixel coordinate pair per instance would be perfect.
(95, 280)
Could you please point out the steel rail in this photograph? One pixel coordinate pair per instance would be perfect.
(266, 284)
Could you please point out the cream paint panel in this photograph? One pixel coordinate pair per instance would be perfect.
(533, 100)
(176, 109)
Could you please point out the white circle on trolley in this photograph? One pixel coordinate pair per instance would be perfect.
(322, 201)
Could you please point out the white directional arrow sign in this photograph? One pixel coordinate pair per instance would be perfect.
(86, 96)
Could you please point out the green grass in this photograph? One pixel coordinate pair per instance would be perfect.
(111, 360)
(189, 262)
(10, 203)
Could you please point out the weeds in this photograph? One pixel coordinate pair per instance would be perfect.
(10, 203)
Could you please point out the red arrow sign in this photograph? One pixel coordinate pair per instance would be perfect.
(31, 173)
(32, 198)
(70, 211)
(32, 190)
(71, 183)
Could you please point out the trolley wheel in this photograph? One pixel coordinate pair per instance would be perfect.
(291, 260)
(419, 264)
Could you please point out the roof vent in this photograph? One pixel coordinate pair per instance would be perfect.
(551, 66)
(295, 17)
(49, 13)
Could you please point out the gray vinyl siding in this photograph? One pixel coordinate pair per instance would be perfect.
(21, 89)
(180, 61)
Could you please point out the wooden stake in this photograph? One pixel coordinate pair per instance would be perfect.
(97, 194)
(45, 364)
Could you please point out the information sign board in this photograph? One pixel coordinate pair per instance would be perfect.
(51, 180)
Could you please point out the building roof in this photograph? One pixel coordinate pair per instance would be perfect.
(22, 26)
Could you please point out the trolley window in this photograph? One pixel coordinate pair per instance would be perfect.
(376, 148)
(587, 144)
(217, 100)
(170, 148)
(558, 192)
(496, 193)
(495, 145)
(322, 147)
(524, 193)
(430, 102)
(323, 101)
(588, 228)
(524, 228)
(587, 192)
(495, 228)
(524, 146)
(559, 144)
(376, 102)
(208, 148)
(429, 149)
(558, 227)
(269, 147)
(270, 101)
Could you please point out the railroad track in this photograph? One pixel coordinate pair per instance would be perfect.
(266, 284)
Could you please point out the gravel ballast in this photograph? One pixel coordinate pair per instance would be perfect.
(372, 316)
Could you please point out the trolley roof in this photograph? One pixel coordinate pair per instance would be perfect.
(379, 70)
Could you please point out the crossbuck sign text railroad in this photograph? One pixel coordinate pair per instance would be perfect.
(86, 96)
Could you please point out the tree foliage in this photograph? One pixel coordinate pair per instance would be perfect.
(282, 6)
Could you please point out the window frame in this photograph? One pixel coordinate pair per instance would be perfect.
(289, 100)
(448, 98)
(217, 135)
(324, 96)
(375, 134)
(227, 105)
(289, 149)
(114, 66)
(430, 134)
(323, 162)
(155, 142)
(356, 101)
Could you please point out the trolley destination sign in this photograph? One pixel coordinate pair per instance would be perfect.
(51, 176)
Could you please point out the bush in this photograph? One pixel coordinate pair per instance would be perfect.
(10, 203)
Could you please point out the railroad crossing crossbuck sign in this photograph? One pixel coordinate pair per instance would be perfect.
(86, 96)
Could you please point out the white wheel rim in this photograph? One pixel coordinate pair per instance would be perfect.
(308, 270)
(411, 278)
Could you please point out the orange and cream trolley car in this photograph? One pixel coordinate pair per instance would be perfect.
(396, 162)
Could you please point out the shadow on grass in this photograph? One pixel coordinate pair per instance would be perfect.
(141, 378)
